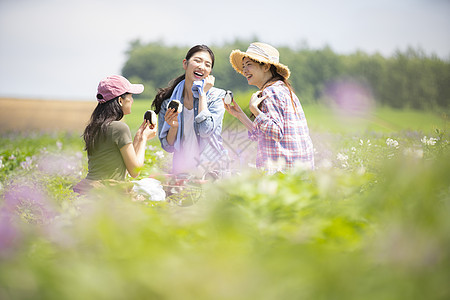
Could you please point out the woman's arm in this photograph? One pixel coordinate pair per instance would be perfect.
(164, 138)
(171, 118)
(236, 111)
(270, 122)
(133, 154)
(210, 118)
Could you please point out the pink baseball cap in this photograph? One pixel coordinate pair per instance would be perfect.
(114, 86)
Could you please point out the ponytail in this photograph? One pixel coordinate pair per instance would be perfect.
(277, 77)
(165, 93)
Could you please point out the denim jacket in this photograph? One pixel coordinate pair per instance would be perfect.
(207, 126)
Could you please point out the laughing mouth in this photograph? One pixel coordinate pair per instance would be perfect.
(198, 74)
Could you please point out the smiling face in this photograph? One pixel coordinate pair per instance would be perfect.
(257, 74)
(198, 66)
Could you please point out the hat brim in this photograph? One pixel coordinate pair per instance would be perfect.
(237, 56)
(136, 89)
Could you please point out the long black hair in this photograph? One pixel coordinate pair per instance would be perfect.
(101, 117)
(165, 93)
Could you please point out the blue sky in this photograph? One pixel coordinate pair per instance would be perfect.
(54, 49)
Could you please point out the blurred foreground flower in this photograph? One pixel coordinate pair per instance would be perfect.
(430, 142)
(343, 159)
(9, 234)
(159, 154)
(350, 97)
(26, 165)
(27, 199)
(392, 143)
(415, 153)
(361, 142)
(62, 165)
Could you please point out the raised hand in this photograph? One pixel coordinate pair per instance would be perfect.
(255, 100)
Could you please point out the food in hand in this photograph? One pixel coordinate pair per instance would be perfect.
(150, 115)
(228, 97)
(176, 105)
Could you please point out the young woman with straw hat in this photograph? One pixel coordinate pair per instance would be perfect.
(280, 126)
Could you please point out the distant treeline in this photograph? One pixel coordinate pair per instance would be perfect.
(409, 79)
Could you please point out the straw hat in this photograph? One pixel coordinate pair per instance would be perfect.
(259, 52)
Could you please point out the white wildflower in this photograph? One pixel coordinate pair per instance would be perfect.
(27, 163)
(342, 157)
(159, 154)
(353, 149)
(430, 142)
(361, 143)
(151, 147)
(392, 143)
(59, 145)
(12, 157)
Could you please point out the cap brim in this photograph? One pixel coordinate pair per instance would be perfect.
(136, 89)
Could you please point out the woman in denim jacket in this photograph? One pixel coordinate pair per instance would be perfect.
(193, 133)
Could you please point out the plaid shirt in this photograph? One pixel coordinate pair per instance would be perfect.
(282, 132)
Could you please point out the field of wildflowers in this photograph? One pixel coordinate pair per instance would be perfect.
(371, 222)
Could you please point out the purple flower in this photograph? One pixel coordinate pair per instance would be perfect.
(28, 200)
(59, 165)
(9, 234)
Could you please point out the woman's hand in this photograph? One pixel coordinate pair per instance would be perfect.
(150, 130)
(133, 154)
(255, 100)
(146, 131)
(171, 117)
(236, 111)
(233, 108)
(209, 83)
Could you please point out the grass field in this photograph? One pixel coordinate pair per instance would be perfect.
(321, 118)
(370, 222)
(51, 115)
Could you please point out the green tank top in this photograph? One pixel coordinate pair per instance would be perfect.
(106, 161)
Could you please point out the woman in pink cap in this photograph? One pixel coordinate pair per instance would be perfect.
(111, 151)
(280, 126)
